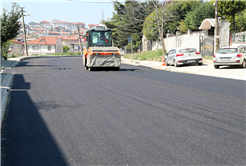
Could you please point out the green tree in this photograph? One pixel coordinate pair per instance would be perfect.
(240, 19)
(128, 20)
(182, 27)
(136, 40)
(231, 8)
(9, 23)
(169, 15)
(181, 9)
(194, 18)
(65, 49)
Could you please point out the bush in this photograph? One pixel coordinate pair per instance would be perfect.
(66, 49)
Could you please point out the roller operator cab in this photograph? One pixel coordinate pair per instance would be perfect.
(99, 50)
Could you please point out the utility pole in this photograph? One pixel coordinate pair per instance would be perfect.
(79, 41)
(216, 27)
(24, 30)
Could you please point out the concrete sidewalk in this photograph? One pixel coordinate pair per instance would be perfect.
(206, 69)
(6, 81)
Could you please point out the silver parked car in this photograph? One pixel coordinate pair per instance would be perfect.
(179, 56)
(232, 55)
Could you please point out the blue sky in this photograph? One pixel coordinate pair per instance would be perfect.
(87, 11)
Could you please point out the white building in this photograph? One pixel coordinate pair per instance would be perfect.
(45, 46)
(63, 24)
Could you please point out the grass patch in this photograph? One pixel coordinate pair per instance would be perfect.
(152, 56)
(208, 57)
(148, 55)
(13, 56)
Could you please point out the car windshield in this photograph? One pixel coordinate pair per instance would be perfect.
(227, 50)
(187, 50)
(101, 38)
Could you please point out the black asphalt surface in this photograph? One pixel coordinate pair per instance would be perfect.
(61, 114)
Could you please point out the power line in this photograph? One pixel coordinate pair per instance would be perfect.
(5, 7)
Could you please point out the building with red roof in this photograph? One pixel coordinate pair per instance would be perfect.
(45, 23)
(63, 24)
(45, 46)
(80, 24)
(90, 26)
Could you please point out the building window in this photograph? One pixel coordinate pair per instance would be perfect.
(49, 48)
(35, 48)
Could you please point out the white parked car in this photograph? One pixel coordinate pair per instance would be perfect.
(179, 56)
(232, 55)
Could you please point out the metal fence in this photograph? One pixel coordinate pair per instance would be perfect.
(206, 45)
(239, 37)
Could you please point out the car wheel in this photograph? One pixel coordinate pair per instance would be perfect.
(200, 64)
(243, 64)
(175, 63)
(216, 66)
(166, 62)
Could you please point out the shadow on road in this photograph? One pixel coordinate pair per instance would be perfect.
(230, 67)
(112, 69)
(23, 63)
(26, 140)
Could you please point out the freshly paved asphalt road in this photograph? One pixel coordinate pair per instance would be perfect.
(61, 114)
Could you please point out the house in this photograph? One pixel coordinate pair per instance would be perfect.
(73, 42)
(65, 40)
(65, 33)
(36, 25)
(76, 33)
(21, 38)
(38, 30)
(45, 46)
(90, 26)
(45, 24)
(51, 33)
(80, 24)
(60, 23)
(16, 48)
(74, 45)
(27, 29)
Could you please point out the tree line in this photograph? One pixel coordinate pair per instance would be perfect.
(155, 19)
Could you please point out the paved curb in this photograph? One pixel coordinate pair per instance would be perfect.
(6, 83)
(7, 79)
